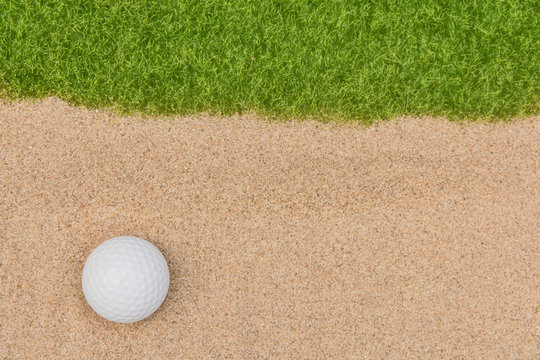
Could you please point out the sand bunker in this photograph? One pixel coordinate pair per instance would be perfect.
(412, 238)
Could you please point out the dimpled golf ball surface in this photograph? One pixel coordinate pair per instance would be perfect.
(125, 279)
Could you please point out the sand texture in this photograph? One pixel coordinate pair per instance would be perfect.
(414, 238)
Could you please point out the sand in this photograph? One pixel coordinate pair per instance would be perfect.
(413, 238)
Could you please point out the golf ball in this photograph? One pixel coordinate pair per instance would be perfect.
(125, 279)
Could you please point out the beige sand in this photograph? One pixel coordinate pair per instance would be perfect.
(409, 239)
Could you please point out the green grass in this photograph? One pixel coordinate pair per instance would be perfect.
(340, 58)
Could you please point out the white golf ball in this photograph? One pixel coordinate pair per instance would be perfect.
(125, 279)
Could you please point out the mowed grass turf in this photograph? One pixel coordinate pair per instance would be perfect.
(338, 58)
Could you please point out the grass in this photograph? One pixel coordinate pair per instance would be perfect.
(340, 58)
